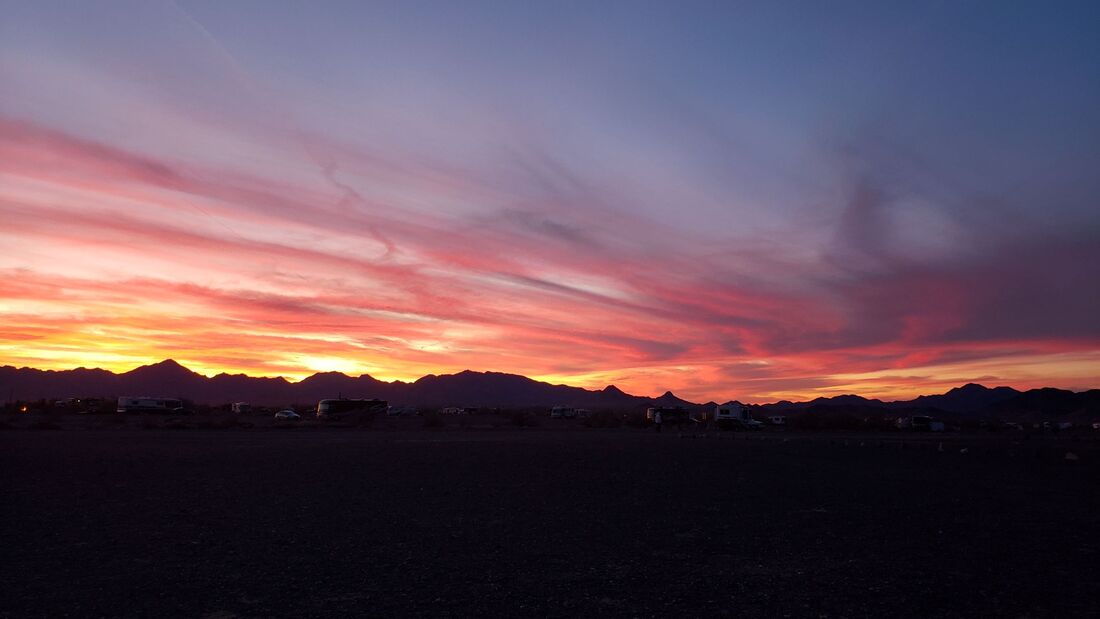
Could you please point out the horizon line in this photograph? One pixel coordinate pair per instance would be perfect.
(666, 392)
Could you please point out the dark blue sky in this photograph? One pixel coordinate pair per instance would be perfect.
(887, 188)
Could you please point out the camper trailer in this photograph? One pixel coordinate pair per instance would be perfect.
(342, 409)
(735, 416)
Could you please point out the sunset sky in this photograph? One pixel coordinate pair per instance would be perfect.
(729, 200)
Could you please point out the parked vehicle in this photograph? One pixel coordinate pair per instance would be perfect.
(241, 407)
(919, 423)
(145, 404)
(739, 425)
(735, 416)
(344, 409)
(670, 415)
(777, 420)
(563, 412)
(287, 415)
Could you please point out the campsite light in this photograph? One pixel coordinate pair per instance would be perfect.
(23, 409)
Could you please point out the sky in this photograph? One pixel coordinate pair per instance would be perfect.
(758, 201)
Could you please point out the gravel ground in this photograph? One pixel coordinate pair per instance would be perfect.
(539, 522)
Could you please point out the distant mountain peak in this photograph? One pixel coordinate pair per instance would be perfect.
(612, 389)
(969, 387)
(168, 367)
(671, 398)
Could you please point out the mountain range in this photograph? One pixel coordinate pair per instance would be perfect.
(490, 389)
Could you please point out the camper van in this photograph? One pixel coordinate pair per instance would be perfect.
(345, 409)
(735, 416)
(145, 404)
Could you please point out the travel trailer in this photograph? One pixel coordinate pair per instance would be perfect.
(735, 416)
(145, 404)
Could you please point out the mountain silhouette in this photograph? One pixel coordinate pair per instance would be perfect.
(170, 379)
(494, 389)
(969, 397)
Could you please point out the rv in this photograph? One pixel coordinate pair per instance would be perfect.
(735, 416)
(242, 407)
(777, 420)
(669, 414)
(344, 409)
(563, 412)
(458, 410)
(919, 423)
(144, 404)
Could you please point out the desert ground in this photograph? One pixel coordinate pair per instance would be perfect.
(555, 520)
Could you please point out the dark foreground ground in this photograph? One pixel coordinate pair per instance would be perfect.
(535, 522)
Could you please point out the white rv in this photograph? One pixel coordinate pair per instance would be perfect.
(735, 416)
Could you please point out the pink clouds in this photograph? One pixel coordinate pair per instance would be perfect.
(135, 258)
